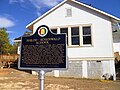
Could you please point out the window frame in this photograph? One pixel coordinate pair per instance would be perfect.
(75, 35)
(68, 14)
(69, 37)
(82, 44)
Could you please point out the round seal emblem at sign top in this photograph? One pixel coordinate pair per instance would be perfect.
(42, 31)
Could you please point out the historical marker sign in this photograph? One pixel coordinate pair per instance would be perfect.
(43, 51)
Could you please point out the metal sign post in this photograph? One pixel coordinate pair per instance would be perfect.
(42, 78)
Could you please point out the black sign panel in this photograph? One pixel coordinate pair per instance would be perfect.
(43, 51)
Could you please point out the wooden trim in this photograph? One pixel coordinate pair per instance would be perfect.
(69, 36)
(74, 46)
(58, 30)
(80, 32)
(91, 58)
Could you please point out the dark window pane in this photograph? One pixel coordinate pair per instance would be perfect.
(86, 39)
(86, 31)
(75, 30)
(75, 40)
(64, 30)
(54, 30)
(67, 40)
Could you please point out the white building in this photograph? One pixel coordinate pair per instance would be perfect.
(116, 40)
(89, 35)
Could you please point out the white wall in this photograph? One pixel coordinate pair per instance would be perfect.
(116, 47)
(116, 40)
(101, 29)
(18, 50)
(109, 67)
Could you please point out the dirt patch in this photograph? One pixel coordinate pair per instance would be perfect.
(4, 72)
(11, 79)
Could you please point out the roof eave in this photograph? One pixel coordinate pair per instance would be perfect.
(16, 40)
(30, 26)
(97, 10)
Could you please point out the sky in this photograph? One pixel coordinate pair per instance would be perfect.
(15, 15)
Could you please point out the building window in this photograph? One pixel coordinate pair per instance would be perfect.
(68, 12)
(65, 31)
(75, 36)
(54, 31)
(87, 35)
